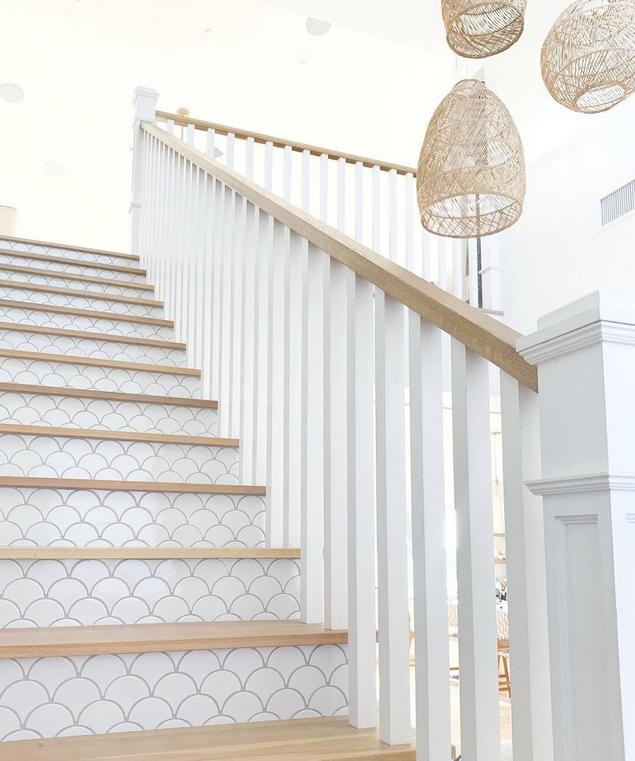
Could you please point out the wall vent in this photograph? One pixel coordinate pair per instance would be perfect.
(618, 203)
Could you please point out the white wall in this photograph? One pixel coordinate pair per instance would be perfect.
(79, 62)
(557, 251)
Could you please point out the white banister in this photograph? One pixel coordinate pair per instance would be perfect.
(586, 358)
(145, 105)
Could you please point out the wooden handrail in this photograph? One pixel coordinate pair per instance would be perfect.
(479, 332)
(281, 142)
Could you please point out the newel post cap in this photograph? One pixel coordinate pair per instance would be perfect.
(145, 103)
(601, 316)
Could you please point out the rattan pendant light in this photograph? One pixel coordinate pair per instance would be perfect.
(471, 172)
(480, 28)
(588, 58)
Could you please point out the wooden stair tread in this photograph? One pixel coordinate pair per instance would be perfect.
(315, 739)
(36, 307)
(29, 482)
(45, 330)
(75, 262)
(69, 247)
(26, 286)
(108, 435)
(98, 362)
(74, 276)
(148, 553)
(156, 638)
(115, 396)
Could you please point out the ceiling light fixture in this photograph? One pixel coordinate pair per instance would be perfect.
(11, 92)
(317, 27)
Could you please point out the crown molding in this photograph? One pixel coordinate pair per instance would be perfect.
(596, 482)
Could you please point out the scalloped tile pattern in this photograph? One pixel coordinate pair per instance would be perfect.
(58, 457)
(53, 697)
(106, 414)
(71, 253)
(73, 269)
(50, 373)
(89, 347)
(59, 281)
(89, 324)
(80, 518)
(36, 593)
(78, 301)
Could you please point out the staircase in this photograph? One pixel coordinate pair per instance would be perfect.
(136, 590)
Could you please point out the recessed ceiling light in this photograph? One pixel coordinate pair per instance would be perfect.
(11, 92)
(316, 26)
(305, 56)
(208, 30)
(53, 169)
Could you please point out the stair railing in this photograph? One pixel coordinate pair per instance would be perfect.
(331, 363)
(370, 200)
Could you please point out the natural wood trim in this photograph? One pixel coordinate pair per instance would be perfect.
(148, 553)
(115, 396)
(37, 307)
(61, 275)
(69, 247)
(158, 343)
(477, 331)
(27, 482)
(97, 362)
(314, 739)
(281, 142)
(25, 286)
(157, 638)
(75, 262)
(107, 435)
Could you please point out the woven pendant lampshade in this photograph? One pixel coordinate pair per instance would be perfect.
(471, 172)
(478, 28)
(588, 58)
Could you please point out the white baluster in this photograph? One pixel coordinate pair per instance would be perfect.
(428, 540)
(261, 381)
(312, 502)
(480, 733)
(248, 343)
(408, 220)
(336, 443)
(393, 252)
(376, 208)
(324, 187)
(306, 180)
(359, 201)
(236, 317)
(287, 170)
(212, 218)
(249, 158)
(341, 195)
(277, 387)
(226, 312)
(230, 150)
(269, 166)
(362, 648)
(394, 645)
(218, 233)
(527, 590)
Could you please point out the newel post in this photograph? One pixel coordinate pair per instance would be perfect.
(586, 359)
(145, 103)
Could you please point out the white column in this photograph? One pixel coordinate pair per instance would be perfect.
(145, 103)
(585, 353)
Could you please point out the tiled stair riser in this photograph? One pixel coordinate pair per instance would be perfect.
(23, 340)
(127, 380)
(35, 593)
(88, 324)
(59, 281)
(71, 253)
(105, 414)
(84, 517)
(85, 270)
(50, 697)
(60, 457)
(79, 300)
